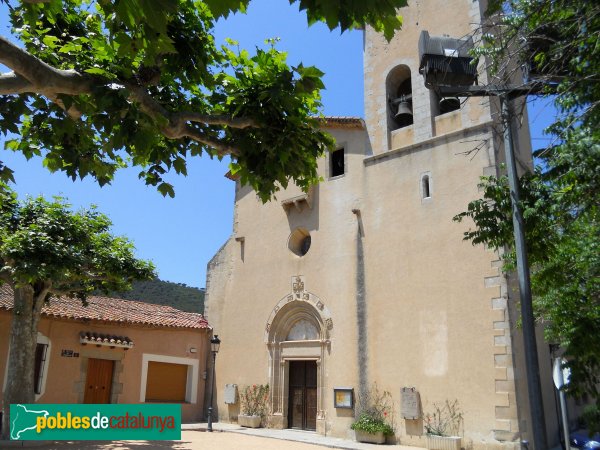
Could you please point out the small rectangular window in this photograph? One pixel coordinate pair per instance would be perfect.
(337, 162)
(426, 191)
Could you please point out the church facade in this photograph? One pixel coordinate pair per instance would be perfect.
(366, 280)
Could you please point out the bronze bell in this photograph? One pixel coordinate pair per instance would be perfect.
(404, 116)
(448, 104)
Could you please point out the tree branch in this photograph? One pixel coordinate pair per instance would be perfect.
(177, 127)
(35, 76)
(65, 292)
(40, 299)
(11, 83)
(221, 147)
(217, 119)
(43, 77)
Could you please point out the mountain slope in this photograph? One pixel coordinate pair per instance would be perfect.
(177, 295)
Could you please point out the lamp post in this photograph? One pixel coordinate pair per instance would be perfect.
(215, 343)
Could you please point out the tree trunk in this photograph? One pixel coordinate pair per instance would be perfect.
(21, 358)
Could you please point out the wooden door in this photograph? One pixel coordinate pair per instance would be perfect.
(302, 412)
(99, 381)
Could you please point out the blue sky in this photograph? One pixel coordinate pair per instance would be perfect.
(181, 235)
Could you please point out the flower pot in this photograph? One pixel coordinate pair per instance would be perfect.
(443, 442)
(372, 438)
(249, 421)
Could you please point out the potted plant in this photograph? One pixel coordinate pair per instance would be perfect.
(371, 429)
(443, 426)
(375, 419)
(254, 405)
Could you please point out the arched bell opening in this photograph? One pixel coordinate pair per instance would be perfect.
(448, 104)
(400, 98)
(443, 105)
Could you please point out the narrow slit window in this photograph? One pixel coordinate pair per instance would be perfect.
(426, 188)
(38, 369)
(337, 162)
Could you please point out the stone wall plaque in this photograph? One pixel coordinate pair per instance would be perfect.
(230, 396)
(410, 403)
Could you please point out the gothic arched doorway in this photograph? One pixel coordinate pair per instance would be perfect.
(297, 336)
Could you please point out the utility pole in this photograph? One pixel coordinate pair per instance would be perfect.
(531, 355)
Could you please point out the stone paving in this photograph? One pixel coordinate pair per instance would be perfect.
(224, 437)
(190, 440)
(306, 437)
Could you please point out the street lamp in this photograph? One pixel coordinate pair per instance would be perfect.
(215, 343)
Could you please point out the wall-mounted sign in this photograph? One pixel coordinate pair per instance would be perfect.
(343, 398)
(231, 394)
(69, 353)
(410, 403)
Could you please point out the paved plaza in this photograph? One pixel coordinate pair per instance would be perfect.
(225, 437)
(191, 440)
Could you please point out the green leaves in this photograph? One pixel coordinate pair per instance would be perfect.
(166, 189)
(141, 63)
(44, 240)
(222, 8)
(375, 411)
(348, 14)
(283, 101)
(345, 14)
(371, 425)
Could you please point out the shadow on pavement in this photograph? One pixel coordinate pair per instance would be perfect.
(115, 445)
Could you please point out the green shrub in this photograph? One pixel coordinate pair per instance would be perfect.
(371, 425)
(254, 400)
(375, 412)
(445, 420)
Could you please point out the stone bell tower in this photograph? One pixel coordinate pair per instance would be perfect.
(446, 144)
(399, 109)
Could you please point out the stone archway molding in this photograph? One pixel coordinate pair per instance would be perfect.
(298, 305)
(293, 300)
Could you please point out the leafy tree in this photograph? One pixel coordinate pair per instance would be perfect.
(47, 251)
(98, 84)
(557, 42)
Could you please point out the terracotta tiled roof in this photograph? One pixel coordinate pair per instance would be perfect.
(116, 310)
